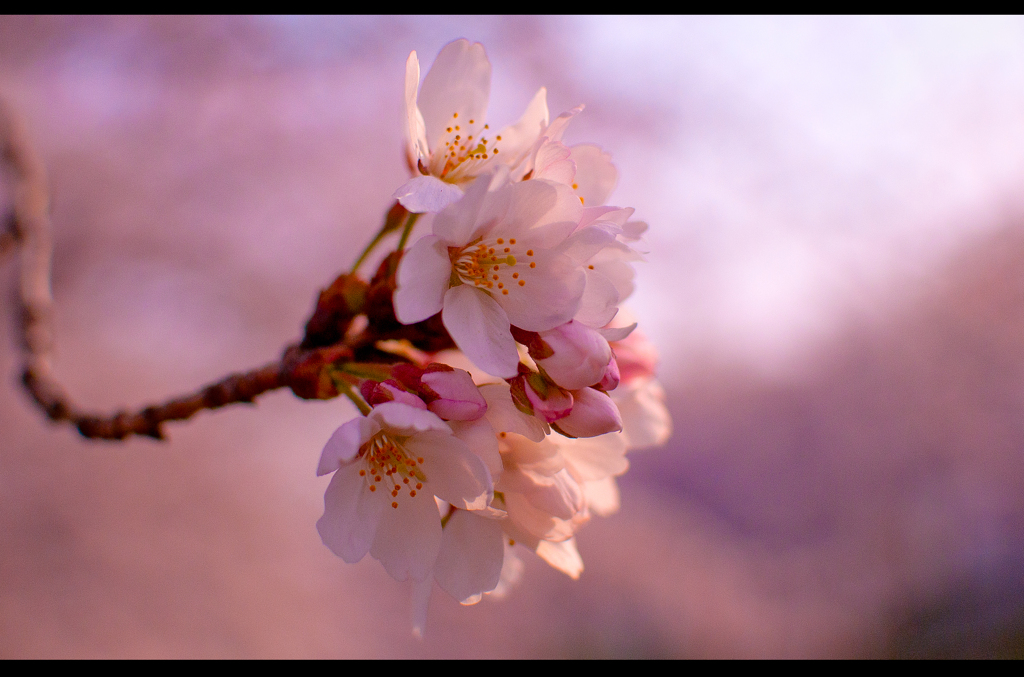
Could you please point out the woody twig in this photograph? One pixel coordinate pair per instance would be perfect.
(306, 368)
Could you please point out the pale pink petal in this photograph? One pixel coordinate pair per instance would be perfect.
(596, 176)
(408, 537)
(345, 442)
(518, 139)
(581, 355)
(505, 417)
(419, 602)
(415, 130)
(602, 496)
(646, 421)
(536, 522)
(480, 328)
(616, 333)
(563, 556)
(427, 194)
(558, 495)
(615, 267)
(423, 277)
(472, 551)
(403, 419)
(595, 458)
(530, 204)
(480, 437)
(593, 413)
(553, 163)
(557, 127)
(599, 302)
(460, 399)
(457, 224)
(459, 82)
(598, 213)
(549, 296)
(634, 229)
(586, 243)
(454, 473)
(511, 572)
(351, 514)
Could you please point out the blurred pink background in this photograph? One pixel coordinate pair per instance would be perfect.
(836, 284)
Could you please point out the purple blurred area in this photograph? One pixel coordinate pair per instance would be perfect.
(835, 282)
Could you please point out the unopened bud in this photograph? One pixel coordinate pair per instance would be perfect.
(579, 356)
(458, 398)
(593, 413)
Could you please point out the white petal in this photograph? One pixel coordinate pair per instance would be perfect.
(402, 419)
(457, 224)
(472, 551)
(505, 417)
(427, 194)
(602, 496)
(518, 139)
(480, 328)
(408, 537)
(415, 130)
(586, 243)
(589, 459)
(550, 295)
(511, 571)
(557, 128)
(454, 473)
(423, 277)
(616, 333)
(554, 164)
(530, 204)
(480, 437)
(599, 302)
(645, 419)
(459, 81)
(559, 496)
(563, 556)
(419, 602)
(596, 176)
(351, 514)
(344, 444)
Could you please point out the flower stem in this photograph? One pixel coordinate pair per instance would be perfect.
(409, 223)
(394, 218)
(345, 389)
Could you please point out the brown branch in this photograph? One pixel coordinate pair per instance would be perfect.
(231, 390)
(29, 228)
(307, 369)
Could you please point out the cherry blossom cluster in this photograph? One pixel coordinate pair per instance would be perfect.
(513, 440)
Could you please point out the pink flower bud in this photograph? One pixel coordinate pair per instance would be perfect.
(389, 391)
(593, 413)
(610, 380)
(579, 357)
(543, 399)
(458, 398)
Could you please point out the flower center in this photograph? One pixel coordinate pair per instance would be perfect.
(389, 467)
(493, 266)
(462, 153)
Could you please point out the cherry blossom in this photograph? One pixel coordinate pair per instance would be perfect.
(388, 467)
(449, 140)
(497, 258)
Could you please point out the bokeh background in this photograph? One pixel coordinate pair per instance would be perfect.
(835, 283)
